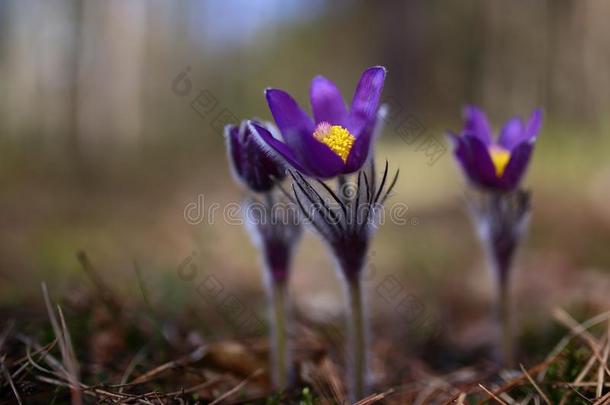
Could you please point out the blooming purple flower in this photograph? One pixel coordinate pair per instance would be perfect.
(336, 141)
(249, 162)
(495, 165)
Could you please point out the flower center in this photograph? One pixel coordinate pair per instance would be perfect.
(500, 158)
(337, 138)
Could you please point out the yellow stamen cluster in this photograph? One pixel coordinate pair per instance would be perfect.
(337, 138)
(500, 158)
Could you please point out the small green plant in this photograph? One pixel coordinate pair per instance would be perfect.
(567, 369)
(306, 397)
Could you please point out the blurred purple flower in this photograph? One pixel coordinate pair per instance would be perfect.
(495, 165)
(250, 164)
(274, 229)
(336, 141)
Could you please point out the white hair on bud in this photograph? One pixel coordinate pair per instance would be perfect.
(268, 150)
(229, 150)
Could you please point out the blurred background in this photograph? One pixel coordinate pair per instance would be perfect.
(111, 117)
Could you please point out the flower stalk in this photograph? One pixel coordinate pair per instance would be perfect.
(358, 345)
(275, 230)
(504, 320)
(501, 220)
(279, 354)
(346, 222)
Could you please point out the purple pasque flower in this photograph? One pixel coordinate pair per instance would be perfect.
(250, 164)
(495, 165)
(336, 141)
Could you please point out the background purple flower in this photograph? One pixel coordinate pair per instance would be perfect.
(336, 141)
(495, 165)
(249, 162)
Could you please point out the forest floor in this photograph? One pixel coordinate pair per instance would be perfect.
(94, 349)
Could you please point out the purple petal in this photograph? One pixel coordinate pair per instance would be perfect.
(305, 154)
(324, 163)
(534, 124)
(297, 129)
(276, 147)
(517, 165)
(319, 159)
(512, 133)
(361, 148)
(326, 102)
(366, 99)
(289, 117)
(475, 122)
(472, 153)
(460, 152)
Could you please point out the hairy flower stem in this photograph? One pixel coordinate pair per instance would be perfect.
(501, 220)
(357, 335)
(504, 344)
(279, 353)
(504, 320)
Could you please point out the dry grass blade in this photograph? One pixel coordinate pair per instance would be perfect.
(579, 394)
(603, 400)
(44, 353)
(28, 352)
(329, 370)
(309, 374)
(6, 333)
(95, 391)
(517, 381)
(29, 342)
(466, 388)
(237, 387)
(492, 395)
(508, 399)
(571, 323)
(65, 346)
(27, 360)
(573, 333)
(194, 388)
(581, 384)
(325, 379)
(583, 373)
(194, 356)
(600, 372)
(131, 367)
(7, 375)
(104, 291)
(531, 380)
(72, 364)
(371, 399)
